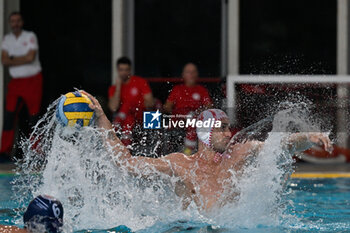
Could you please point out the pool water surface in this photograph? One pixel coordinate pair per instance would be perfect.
(319, 205)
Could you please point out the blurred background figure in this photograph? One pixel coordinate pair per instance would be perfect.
(188, 98)
(128, 98)
(20, 53)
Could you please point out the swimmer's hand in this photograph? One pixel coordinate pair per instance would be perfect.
(321, 139)
(95, 105)
(101, 118)
(299, 142)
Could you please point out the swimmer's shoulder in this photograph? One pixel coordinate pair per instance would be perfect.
(255, 145)
(240, 151)
(11, 229)
(249, 145)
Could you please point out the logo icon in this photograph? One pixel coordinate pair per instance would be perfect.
(151, 120)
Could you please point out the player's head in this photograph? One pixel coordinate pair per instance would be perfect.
(190, 74)
(44, 214)
(124, 68)
(215, 136)
(16, 22)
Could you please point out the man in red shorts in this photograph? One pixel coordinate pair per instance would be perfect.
(189, 98)
(128, 98)
(20, 52)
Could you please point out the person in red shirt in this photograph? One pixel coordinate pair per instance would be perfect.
(128, 98)
(188, 98)
(20, 53)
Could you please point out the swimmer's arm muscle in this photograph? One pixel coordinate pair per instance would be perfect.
(103, 122)
(171, 164)
(142, 164)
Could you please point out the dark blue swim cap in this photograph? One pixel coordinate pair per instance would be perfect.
(44, 212)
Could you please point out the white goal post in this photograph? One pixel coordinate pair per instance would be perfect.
(342, 93)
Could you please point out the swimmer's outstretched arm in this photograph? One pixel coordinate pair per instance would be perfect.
(299, 142)
(125, 159)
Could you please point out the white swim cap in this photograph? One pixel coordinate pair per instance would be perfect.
(204, 133)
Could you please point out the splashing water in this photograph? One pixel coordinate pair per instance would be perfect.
(262, 182)
(75, 166)
(78, 168)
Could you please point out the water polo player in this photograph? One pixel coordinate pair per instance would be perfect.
(44, 214)
(203, 175)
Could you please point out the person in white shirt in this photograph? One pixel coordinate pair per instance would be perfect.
(20, 53)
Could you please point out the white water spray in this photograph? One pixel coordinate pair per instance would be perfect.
(78, 168)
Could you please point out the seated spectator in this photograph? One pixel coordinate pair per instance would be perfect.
(188, 98)
(128, 98)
